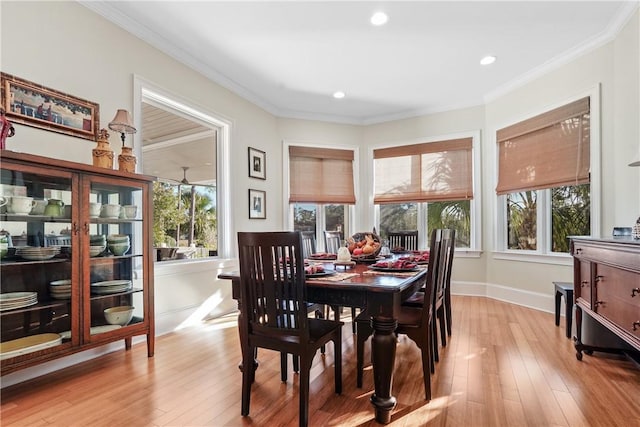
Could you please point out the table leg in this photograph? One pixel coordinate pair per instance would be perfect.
(383, 356)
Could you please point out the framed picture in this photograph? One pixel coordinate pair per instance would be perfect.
(34, 105)
(257, 204)
(257, 164)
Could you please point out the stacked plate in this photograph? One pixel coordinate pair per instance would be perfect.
(37, 253)
(11, 300)
(110, 287)
(60, 289)
(28, 344)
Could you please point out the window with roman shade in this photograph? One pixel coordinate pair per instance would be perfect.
(321, 175)
(546, 151)
(428, 172)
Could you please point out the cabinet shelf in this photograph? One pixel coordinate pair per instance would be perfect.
(73, 269)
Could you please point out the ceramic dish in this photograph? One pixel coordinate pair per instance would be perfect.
(28, 344)
(395, 270)
(320, 274)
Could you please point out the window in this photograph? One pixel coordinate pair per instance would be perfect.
(321, 189)
(181, 152)
(427, 186)
(544, 178)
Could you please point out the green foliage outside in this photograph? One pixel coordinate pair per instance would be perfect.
(168, 218)
(570, 216)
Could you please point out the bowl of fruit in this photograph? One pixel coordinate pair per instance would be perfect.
(364, 246)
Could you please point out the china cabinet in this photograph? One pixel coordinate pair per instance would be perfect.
(607, 288)
(61, 267)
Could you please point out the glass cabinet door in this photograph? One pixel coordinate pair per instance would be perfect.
(39, 279)
(115, 243)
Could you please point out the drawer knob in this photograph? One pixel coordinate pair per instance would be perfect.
(599, 278)
(578, 250)
(597, 303)
(584, 283)
(635, 292)
(636, 325)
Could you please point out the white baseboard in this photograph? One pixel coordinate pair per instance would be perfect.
(535, 300)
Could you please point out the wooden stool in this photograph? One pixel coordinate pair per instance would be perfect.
(566, 289)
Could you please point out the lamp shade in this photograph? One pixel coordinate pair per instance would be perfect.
(122, 122)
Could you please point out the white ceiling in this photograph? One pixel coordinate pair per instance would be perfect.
(289, 57)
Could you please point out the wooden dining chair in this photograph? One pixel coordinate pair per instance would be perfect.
(273, 314)
(415, 322)
(407, 240)
(332, 241)
(442, 301)
(308, 243)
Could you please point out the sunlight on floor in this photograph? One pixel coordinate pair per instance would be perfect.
(202, 312)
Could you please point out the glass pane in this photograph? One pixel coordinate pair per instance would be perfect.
(453, 214)
(398, 216)
(334, 218)
(116, 262)
(186, 230)
(570, 215)
(35, 265)
(304, 217)
(522, 220)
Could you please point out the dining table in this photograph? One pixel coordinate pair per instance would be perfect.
(382, 292)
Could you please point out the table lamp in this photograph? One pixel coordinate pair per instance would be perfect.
(123, 123)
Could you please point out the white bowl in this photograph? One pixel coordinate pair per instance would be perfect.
(120, 315)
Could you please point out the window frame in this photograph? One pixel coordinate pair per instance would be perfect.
(543, 252)
(475, 250)
(145, 91)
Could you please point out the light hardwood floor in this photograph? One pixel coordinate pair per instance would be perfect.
(505, 365)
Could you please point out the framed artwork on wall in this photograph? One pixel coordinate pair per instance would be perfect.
(38, 106)
(257, 163)
(257, 204)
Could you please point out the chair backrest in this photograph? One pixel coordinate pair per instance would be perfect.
(430, 286)
(273, 287)
(444, 262)
(403, 239)
(308, 243)
(332, 241)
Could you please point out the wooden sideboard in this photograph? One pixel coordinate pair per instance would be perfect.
(607, 288)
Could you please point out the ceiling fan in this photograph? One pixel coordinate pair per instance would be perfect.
(184, 175)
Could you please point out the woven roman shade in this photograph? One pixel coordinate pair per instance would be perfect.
(545, 151)
(321, 175)
(428, 172)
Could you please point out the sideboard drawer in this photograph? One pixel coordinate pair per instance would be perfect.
(617, 297)
(620, 257)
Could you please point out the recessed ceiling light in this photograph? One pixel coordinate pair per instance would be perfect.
(488, 60)
(379, 18)
(338, 95)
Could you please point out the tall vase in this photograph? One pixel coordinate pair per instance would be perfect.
(126, 160)
(103, 154)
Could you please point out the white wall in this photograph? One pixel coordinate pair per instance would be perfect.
(84, 63)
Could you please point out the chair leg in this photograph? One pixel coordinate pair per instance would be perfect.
(319, 315)
(337, 346)
(296, 363)
(283, 366)
(247, 379)
(303, 417)
(353, 319)
(447, 305)
(442, 321)
(426, 369)
(434, 340)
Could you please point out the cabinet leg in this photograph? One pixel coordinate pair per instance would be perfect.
(127, 343)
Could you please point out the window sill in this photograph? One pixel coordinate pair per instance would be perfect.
(555, 259)
(467, 253)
